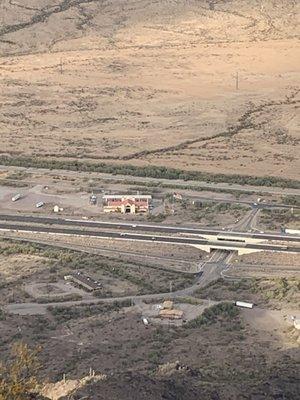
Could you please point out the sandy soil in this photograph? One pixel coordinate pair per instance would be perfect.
(119, 345)
(145, 250)
(16, 267)
(265, 259)
(275, 219)
(153, 83)
(259, 271)
(72, 196)
(119, 275)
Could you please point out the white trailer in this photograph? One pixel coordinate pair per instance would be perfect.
(243, 304)
(16, 197)
(145, 321)
(39, 204)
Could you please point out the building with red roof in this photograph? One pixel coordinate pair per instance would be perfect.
(126, 204)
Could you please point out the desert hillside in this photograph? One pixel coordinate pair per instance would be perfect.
(153, 83)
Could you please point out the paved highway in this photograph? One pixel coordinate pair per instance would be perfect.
(148, 238)
(142, 227)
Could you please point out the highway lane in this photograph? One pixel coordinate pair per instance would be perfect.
(143, 227)
(148, 238)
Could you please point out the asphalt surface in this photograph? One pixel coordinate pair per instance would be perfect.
(142, 227)
(233, 245)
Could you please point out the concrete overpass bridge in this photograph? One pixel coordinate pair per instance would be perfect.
(233, 242)
(243, 245)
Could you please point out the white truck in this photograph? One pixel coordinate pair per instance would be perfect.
(16, 197)
(243, 304)
(39, 204)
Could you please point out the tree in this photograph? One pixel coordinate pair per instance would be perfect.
(18, 377)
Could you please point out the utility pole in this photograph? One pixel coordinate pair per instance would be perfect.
(237, 81)
(170, 286)
(61, 66)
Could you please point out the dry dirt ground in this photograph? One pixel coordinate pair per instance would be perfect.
(25, 266)
(75, 202)
(153, 83)
(274, 219)
(268, 292)
(248, 355)
(229, 359)
(264, 265)
(168, 255)
(72, 193)
(266, 258)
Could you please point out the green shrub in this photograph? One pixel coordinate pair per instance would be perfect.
(59, 299)
(147, 171)
(64, 314)
(212, 314)
(2, 315)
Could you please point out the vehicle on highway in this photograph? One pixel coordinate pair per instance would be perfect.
(153, 238)
(39, 204)
(16, 197)
(122, 234)
(133, 226)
